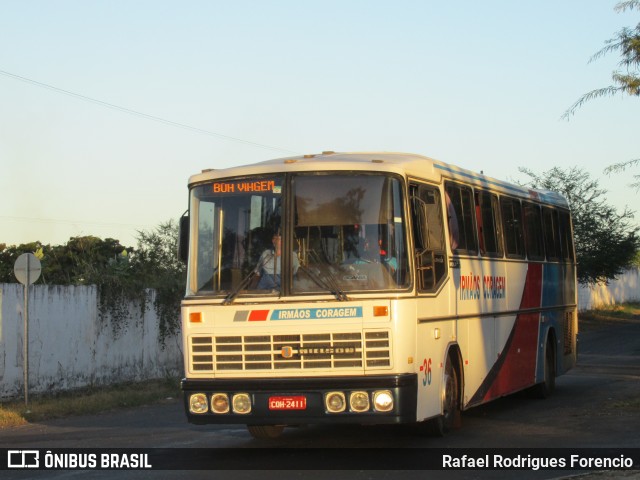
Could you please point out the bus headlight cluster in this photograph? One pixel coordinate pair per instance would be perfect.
(198, 403)
(241, 403)
(220, 403)
(359, 401)
(383, 401)
(335, 402)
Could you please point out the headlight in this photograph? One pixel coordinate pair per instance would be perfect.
(383, 401)
(241, 403)
(198, 403)
(359, 401)
(335, 402)
(220, 403)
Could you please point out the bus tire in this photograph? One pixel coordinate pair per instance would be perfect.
(265, 432)
(451, 415)
(548, 385)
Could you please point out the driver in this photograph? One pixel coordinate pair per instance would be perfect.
(270, 265)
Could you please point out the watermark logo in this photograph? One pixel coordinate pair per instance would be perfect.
(23, 459)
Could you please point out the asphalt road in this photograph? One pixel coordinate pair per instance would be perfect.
(597, 404)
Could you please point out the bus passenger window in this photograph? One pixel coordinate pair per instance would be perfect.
(533, 231)
(512, 227)
(551, 234)
(566, 239)
(488, 221)
(463, 206)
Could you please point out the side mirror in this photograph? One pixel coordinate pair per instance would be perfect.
(183, 238)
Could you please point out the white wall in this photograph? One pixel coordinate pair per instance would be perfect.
(625, 289)
(71, 347)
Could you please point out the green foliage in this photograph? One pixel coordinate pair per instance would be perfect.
(81, 261)
(122, 275)
(158, 267)
(621, 167)
(606, 242)
(9, 255)
(627, 43)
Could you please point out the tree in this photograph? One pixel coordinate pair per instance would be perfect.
(157, 266)
(621, 167)
(627, 82)
(8, 256)
(606, 242)
(122, 275)
(157, 253)
(81, 261)
(627, 42)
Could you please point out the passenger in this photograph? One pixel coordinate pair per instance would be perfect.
(270, 265)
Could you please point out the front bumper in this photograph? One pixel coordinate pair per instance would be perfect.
(402, 386)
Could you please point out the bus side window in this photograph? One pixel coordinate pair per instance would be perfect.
(533, 231)
(566, 239)
(512, 227)
(551, 234)
(430, 250)
(488, 223)
(464, 206)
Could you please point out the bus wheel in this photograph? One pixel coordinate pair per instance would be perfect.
(450, 417)
(548, 385)
(265, 432)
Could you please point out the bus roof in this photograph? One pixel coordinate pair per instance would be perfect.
(405, 164)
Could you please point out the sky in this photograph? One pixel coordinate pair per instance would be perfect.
(84, 86)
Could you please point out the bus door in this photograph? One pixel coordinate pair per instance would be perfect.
(435, 325)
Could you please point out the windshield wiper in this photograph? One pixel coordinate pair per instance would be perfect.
(326, 281)
(245, 281)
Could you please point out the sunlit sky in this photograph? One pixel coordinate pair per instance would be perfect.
(478, 84)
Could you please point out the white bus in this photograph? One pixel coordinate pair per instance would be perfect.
(370, 288)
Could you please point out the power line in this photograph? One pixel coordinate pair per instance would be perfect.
(142, 114)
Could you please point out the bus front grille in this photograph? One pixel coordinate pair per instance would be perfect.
(210, 354)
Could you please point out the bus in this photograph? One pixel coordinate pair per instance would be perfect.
(370, 288)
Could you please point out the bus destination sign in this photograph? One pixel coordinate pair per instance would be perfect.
(246, 186)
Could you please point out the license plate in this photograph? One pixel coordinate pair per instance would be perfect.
(298, 402)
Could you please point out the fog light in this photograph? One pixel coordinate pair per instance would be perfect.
(220, 403)
(359, 401)
(335, 402)
(383, 401)
(198, 403)
(241, 403)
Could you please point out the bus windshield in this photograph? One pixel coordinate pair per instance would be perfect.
(347, 235)
(350, 233)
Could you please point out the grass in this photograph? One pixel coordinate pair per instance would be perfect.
(87, 401)
(612, 313)
(633, 404)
